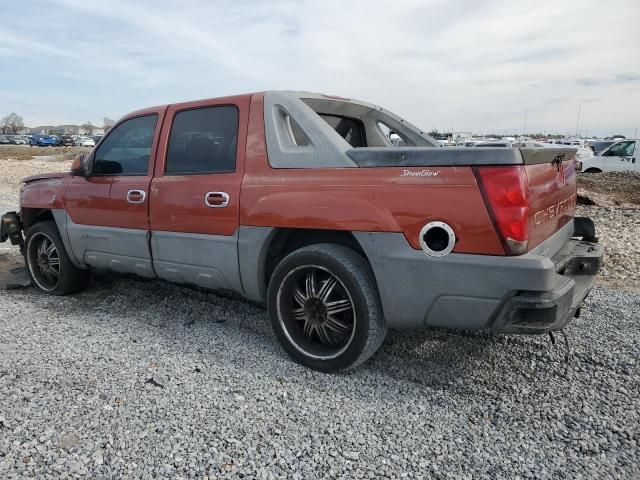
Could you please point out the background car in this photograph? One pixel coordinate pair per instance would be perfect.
(18, 140)
(43, 141)
(619, 157)
(4, 140)
(85, 142)
(67, 140)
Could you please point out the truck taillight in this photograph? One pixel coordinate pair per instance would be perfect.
(506, 193)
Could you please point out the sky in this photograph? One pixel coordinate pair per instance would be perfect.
(469, 65)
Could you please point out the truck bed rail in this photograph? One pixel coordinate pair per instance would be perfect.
(452, 156)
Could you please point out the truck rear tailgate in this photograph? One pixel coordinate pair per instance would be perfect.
(551, 176)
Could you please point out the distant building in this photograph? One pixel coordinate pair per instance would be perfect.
(66, 130)
(41, 130)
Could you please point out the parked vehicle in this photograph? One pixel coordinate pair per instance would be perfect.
(97, 138)
(299, 201)
(85, 142)
(43, 141)
(619, 157)
(67, 141)
(4, 140)
(17, 140)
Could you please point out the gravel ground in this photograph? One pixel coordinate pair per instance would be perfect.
(140, 378)
(618, 229)
(137, 378)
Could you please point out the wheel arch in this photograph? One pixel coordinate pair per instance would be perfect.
(31, 216)
(258, 263)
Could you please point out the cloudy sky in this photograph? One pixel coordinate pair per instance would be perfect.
(467, 65)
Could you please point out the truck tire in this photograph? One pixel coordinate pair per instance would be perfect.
(324, 307)
(48, 264)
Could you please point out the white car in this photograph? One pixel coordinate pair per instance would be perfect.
(619, 157)
(85, 142)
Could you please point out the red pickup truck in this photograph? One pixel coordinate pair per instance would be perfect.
(342, 217)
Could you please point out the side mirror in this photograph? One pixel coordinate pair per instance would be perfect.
(78, 167)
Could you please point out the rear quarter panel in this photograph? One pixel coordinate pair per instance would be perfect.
(372, 200)
(362, 199)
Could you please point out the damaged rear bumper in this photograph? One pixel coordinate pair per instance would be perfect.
(540, 312)
(537, 292)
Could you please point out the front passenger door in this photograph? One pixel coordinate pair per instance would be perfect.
(107, 211)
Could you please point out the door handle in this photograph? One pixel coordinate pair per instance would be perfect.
(216, 199)
(136, 197)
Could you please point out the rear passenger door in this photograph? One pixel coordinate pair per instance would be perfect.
(194, 202)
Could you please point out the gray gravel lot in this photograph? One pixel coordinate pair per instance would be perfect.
(141, 378)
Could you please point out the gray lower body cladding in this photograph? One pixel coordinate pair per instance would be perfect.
(531, 293)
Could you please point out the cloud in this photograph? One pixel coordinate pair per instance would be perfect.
(590, 79)
(466, 64)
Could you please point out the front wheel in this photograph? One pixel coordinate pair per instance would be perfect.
(324, 307)
(48, 264)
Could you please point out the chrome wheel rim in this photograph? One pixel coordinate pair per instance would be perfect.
(44, 261)
(316, 312)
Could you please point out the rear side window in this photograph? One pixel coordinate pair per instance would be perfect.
(351, 129)
(203, 140)
(126, 150)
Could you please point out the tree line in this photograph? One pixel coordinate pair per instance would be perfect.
(12, 123)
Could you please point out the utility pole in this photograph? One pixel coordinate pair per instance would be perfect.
(578, 119)
(524, 132)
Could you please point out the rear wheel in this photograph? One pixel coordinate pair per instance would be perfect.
(324, 307)
(48, 264)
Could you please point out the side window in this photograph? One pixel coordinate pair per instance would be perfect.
(622, 149)
(351, 129)
(393, 137)
(126, 149)
(203, 140)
